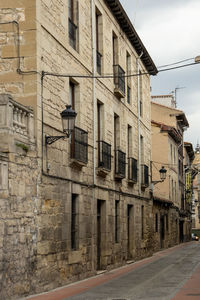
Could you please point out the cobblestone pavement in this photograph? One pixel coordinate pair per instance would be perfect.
(171, 274)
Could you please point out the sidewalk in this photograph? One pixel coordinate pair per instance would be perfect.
(191, 289)
(84, 285)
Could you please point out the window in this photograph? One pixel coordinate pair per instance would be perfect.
(99, 126)
(79, 145)
(129, 141)
(132, 169)
(141, 94)
(115, 49)
(167, 223)
(142, 222)
(132, 163)
(156, 222)
(142, 149)
(120, 157)
(74, 222)
(119, 79)
(104, 149)
(130, 230)
(171, 151)
(72, 94)
(128, 72)
(72, 23)
(99, 41)
(174, 154)
(145, 176)
(117, 221)
(175, 192)
(116, 132)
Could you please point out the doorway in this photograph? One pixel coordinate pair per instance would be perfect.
(162, 231)
(129, 231)
(100, 229)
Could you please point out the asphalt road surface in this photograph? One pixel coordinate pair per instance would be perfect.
(160, 278)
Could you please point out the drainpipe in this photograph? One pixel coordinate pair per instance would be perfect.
(94, 89)
(93, 204)
(138, 102)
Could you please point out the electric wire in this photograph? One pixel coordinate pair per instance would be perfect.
(44, 73)
(114, 76)
(176, 63)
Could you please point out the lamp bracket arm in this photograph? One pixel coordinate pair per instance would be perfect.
(156, 181)
(51, 139)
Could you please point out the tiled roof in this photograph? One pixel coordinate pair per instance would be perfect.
(172, 131)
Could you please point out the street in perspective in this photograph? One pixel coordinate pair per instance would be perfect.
(99, 149)
(171, 274)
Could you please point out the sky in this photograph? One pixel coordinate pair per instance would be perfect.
(170, 31)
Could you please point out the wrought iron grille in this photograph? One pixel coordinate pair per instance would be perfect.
(104, 155)
(72, 29)
(132, 169)
(79, 145)
(120, 163)
(145, 175)
(119, 78)
(99, 56)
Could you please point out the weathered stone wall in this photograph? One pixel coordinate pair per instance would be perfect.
(23, 88)
(19, 183)
(171, 232)
(38, 201)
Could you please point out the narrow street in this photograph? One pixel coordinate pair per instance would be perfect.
(169, 274)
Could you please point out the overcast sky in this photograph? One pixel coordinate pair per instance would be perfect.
(170, 30)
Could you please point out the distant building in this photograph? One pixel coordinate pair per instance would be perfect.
(167, 100)
(196, 191)
(169, 210)
(190, 173)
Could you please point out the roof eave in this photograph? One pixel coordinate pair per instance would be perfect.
(125, 23)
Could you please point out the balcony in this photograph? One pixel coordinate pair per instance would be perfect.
(99, 58)
(119, 81)
(72, 31)
(16, 122)
(79, 147)
(120, 164)
(132, 170)
(104, 163)
(144, 176)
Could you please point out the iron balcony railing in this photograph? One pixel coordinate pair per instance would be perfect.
(99, 58)
(79, 145)
(119, 78)
(104, 155)
(144, 175)
(132, 169)
(72, 29)
(120, 163)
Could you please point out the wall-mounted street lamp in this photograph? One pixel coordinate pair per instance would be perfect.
(163, 173)
(68, 122)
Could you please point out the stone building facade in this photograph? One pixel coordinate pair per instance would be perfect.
(196, 192)
(82, 204)
(171, 216)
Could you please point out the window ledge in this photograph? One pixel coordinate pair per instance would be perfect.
(119, 176)
(102, 172)
(131, 181)
(74, 163)
(118, 93)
